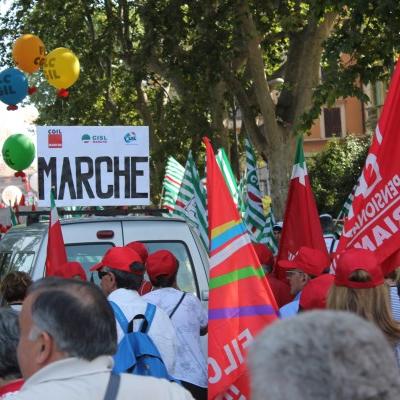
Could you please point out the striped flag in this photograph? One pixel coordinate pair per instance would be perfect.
(171, 183)
(344, 212)
(191, 201)
(229, 177)
(13, 217)
(240, 303)
(56, 254)
(254, 214)
(267, 235)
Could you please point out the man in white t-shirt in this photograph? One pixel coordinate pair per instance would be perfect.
(121, 273)
(187, 315)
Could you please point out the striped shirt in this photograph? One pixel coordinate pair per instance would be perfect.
(395, 301)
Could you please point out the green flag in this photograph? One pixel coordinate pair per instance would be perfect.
(191, 200)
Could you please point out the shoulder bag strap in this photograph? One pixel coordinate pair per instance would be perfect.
(179, 303)
(112, 387)
(119, 315)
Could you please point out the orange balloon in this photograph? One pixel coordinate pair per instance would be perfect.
(29, 53)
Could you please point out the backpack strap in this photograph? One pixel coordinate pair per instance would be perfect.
(179, 303)
(148, 317)
(126, 326)
(112, 387)
(120, 316)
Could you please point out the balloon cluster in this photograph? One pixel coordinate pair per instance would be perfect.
(60, 67)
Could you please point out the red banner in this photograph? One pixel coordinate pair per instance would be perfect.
(374, 220)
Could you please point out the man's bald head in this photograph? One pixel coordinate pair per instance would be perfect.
(323, 355)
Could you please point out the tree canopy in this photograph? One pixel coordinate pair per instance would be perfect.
(183, 67)
(335, 171)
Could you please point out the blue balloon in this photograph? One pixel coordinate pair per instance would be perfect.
(13, 86)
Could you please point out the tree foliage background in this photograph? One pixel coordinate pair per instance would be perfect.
(335, 171)
(183, 67)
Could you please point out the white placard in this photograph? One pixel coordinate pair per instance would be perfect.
(93, 165)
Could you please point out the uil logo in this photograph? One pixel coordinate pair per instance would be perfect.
(130, 138)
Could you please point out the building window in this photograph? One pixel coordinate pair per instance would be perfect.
(332, 124)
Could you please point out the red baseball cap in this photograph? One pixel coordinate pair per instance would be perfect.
(264, 254)
(161, 262)
(120, 258)
(310, 261)
(354, 259)
(314, 294)
(140, 248)
(73, 268)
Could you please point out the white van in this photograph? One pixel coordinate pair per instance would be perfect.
(86, 240)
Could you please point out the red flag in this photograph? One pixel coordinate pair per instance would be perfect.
(240, 300)
(22, 201)
(56, 254)
(374, 218)
(301, 225)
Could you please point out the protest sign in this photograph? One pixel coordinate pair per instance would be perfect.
(93, 165)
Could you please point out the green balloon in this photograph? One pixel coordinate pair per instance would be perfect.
(18, 152)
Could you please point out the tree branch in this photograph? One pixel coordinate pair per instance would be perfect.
(256, 67)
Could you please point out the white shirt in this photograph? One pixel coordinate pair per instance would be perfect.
(161, 331)
(331, 242)
(189, 317)
(77, 379)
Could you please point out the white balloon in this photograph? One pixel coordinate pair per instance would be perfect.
(11, 195)
(33, 182)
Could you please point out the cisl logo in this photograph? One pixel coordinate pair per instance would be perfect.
(85, 138)
(54, 138)
(94, 138)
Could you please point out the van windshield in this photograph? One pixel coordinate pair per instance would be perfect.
(18, 250)
(186, 278)
(87, 254)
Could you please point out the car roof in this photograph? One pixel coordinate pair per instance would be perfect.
(43, 225)
(122, 218)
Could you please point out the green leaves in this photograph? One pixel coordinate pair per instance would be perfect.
(335, 170)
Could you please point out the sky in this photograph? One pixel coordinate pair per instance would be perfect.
(4, 5)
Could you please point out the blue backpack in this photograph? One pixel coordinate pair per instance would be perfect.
(137, 354)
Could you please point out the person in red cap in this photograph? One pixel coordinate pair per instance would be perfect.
(73, 269)
(315, 293)
(121, 273)
(307, 264)
(359, 287)
(188, 316)
(279, 288)
(141, 249)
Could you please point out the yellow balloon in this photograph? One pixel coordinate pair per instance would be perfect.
(28, 53)
(61, 68)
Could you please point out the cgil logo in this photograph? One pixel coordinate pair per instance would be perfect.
(130, 138)
(54, 138)
(94, 139)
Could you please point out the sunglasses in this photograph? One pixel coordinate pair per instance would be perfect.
(102, 274)
(291, 273)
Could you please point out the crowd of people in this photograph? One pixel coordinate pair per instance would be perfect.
(66, 337)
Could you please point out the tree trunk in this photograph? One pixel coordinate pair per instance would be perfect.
(218, 114)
